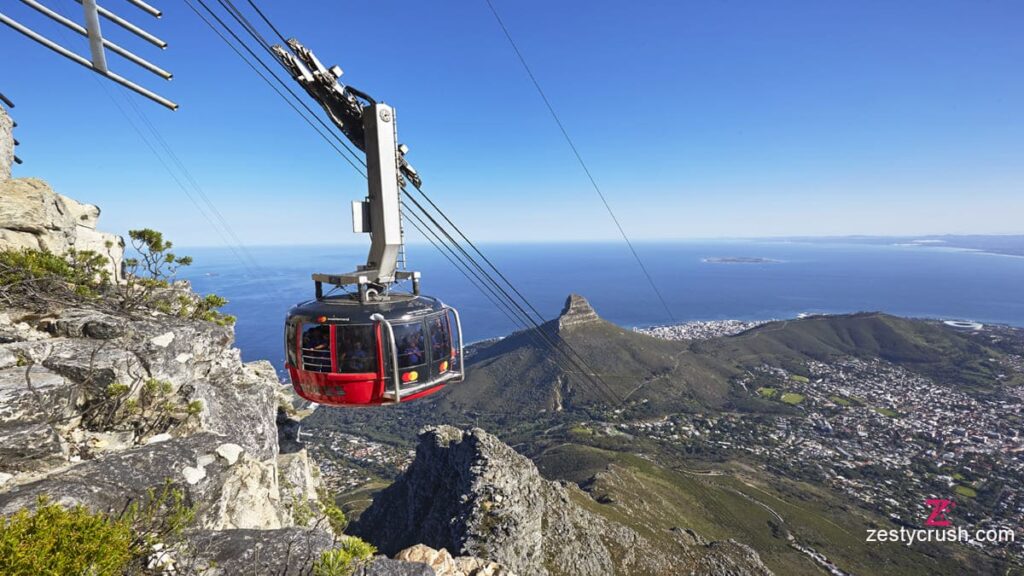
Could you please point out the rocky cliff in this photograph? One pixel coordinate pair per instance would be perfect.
(101, 406)
(468, 493)
(33, 216)
(6, 144)
(577, 312)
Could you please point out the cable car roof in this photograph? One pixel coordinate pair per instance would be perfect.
(396, 307)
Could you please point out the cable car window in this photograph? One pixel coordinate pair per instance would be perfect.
(356, 348)
(440, 338)
(289, 343)
(316, 348)
(410, 341)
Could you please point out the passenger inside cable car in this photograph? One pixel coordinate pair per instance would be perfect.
(316, 348)
(355, 346)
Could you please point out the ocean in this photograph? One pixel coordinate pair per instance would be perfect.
(914, 281)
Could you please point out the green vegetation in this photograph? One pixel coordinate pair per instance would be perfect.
(728, 500)
(161, 517)
(54, 540)
(343, 560)
(325, 507)
(965, 491)
(117, 390)
(352, 504)
(80, 272)
(580, 430)
(155, 257)
(792, 398)
(336, 518)
(887, 412)
(40, 278)
(799, 378)
(151, 274)
(149, 406)
(699, 379)
(57, 540)
(788, 397)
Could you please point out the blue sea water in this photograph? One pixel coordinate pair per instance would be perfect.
(914, 281)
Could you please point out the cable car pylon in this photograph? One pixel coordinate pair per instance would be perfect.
(375, 345)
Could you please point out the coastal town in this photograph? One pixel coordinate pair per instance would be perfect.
(878, 432)
(883, 435)
(348, 461)
(700, 329)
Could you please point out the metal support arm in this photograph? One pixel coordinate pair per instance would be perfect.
(370, 126)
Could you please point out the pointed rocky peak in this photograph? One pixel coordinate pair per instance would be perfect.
(577, 311)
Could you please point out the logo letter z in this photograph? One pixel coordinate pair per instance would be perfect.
(939, 507)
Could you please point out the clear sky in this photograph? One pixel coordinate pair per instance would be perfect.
(698, 118)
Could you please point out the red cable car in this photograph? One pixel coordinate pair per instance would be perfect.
(343, 352)
(374, 346)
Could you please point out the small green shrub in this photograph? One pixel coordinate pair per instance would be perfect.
(117, 390)
(155, 257)
(153, 270)
(82, 271)
(57, 540)
(161, 517)
(206, 309)
(335, 516)
(343, 560)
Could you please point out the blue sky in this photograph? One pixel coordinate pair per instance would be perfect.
(698, 119)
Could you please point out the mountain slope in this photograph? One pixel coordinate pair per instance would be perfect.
(521, 373)
(517, 384)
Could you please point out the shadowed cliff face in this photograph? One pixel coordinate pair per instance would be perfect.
(471, 494)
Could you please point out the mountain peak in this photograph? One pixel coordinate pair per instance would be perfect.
(471, 494)
(576, 311)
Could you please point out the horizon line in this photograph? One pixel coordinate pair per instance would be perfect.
(641, 241)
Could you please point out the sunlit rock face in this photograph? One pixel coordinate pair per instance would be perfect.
(100, 406)
(577, 312)
(6, 144)
(33, 216)
(470, 494)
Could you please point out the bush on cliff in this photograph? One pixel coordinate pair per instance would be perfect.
(40, 279)
(343, 560)
(52, 539)
(57, 540)
(27, 271)
(152, 273)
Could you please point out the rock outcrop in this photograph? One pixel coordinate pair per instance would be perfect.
(444, 564)
(101, 407)
(577, 312)
(6, 144)
(470, 494)
(33, 216)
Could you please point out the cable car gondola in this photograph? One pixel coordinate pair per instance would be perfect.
(343, 352)
(374, 345)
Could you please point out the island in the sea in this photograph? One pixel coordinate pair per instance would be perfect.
(739, 260)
